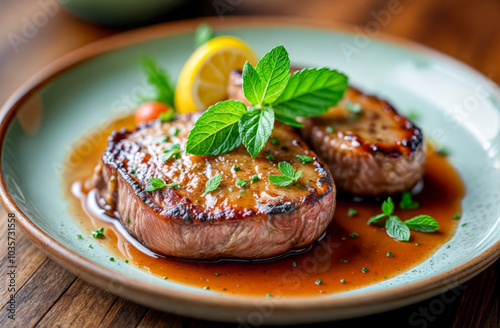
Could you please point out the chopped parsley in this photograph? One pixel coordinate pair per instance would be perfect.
(275, 140)
(305, 159)
(351, 212)
(99, 233)
(330, 129)
(365, 270)
(456, 216)
(318, 282)
(270, 157)
(255, 178)
(241, 183)
(236, 168)
(389, 254)
(174, 131)
(354, 235)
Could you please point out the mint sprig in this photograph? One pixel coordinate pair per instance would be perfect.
(274, 94)
(213, 183)
(398, 229)
(288, 175)
(158, 78)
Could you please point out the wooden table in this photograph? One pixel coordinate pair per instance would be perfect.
(49, 296)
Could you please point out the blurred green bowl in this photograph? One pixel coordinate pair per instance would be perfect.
(124, 13)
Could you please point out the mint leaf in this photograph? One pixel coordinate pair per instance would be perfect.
(407, 203)
(397, 229)
(286, 169)
(375, 219)
(203, 34)
(274, 71)
(213, 183)
(255, 129)
(423, 223)
(305, 159)
(287, 120)
(156, 76)
(280, 180)
(388, 206)
(172, 185)
(156, 183)
(173, 151)
(288, 175)
(216, 131)
(253, 86)
(310, 92)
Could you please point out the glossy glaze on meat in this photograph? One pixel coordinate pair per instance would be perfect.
(375, 152)
(257, 221)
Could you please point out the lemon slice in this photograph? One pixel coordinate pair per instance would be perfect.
(203, 79)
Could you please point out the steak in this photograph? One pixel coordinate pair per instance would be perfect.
(249, 219)
(370, 149)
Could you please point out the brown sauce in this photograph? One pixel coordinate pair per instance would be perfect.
(294, 274)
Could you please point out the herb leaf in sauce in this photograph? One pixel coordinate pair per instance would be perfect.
(274, 94)
(157, 77)
(401, 230)
(156, 183)
(423, 223)
(98, 233)
(407, 203)
(397, 229)
(213, 183)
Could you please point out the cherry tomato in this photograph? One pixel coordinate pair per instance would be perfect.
(150, 111)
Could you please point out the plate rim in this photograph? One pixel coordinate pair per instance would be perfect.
(289, 307)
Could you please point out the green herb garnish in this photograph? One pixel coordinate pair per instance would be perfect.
(305, 159)
(365, 270)
(354, 108)
(288, 175)
(389, 254)
(401, 230)
(342, 281)
(330, 129)
(275, 140)
(270, 157)
(241, 183)
(407, 203)
(203, 34)
(236, 168)
(354, 235)
(456, 216)
(167, 116)
(99, 233)
(255, 178)
(443, 151)
(111, 259)
(274, 94)
(79, 236)
(158, 78)
(351, 212)
(171, 151)
(156, 183)
(318, 282)
(213, 183)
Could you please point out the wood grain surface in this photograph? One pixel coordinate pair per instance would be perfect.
(49, 296)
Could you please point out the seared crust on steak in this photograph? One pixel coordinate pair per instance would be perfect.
(375, 152)
(262, 221)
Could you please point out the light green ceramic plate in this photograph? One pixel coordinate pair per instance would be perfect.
(458, 107)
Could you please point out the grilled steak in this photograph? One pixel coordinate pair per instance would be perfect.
(370, 149)
(257, 220)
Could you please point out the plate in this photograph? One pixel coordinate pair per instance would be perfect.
(458, 107)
